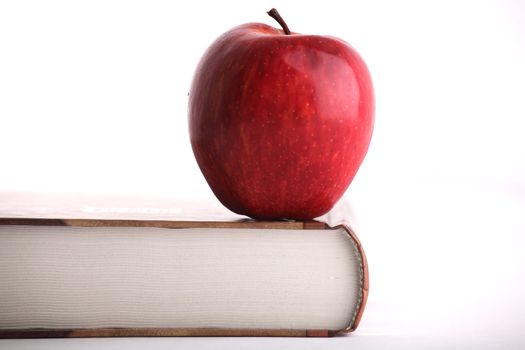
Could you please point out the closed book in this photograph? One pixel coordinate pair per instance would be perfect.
(82, 266)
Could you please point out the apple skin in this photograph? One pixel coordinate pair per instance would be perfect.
(280, 124)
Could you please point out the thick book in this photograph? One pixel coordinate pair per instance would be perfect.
(98, 266)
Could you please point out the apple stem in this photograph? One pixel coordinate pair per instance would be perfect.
(275, 15)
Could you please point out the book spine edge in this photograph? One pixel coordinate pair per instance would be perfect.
(364, 280)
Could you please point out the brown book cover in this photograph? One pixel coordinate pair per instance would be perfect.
(102, 211)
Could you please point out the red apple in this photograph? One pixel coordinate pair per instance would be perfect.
(280, 122)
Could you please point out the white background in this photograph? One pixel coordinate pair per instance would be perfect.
(93, 98)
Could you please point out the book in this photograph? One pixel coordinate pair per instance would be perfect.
(99, 266)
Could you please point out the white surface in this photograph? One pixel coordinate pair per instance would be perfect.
(93, 98)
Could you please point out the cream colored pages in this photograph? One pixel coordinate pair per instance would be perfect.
(81, 277)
